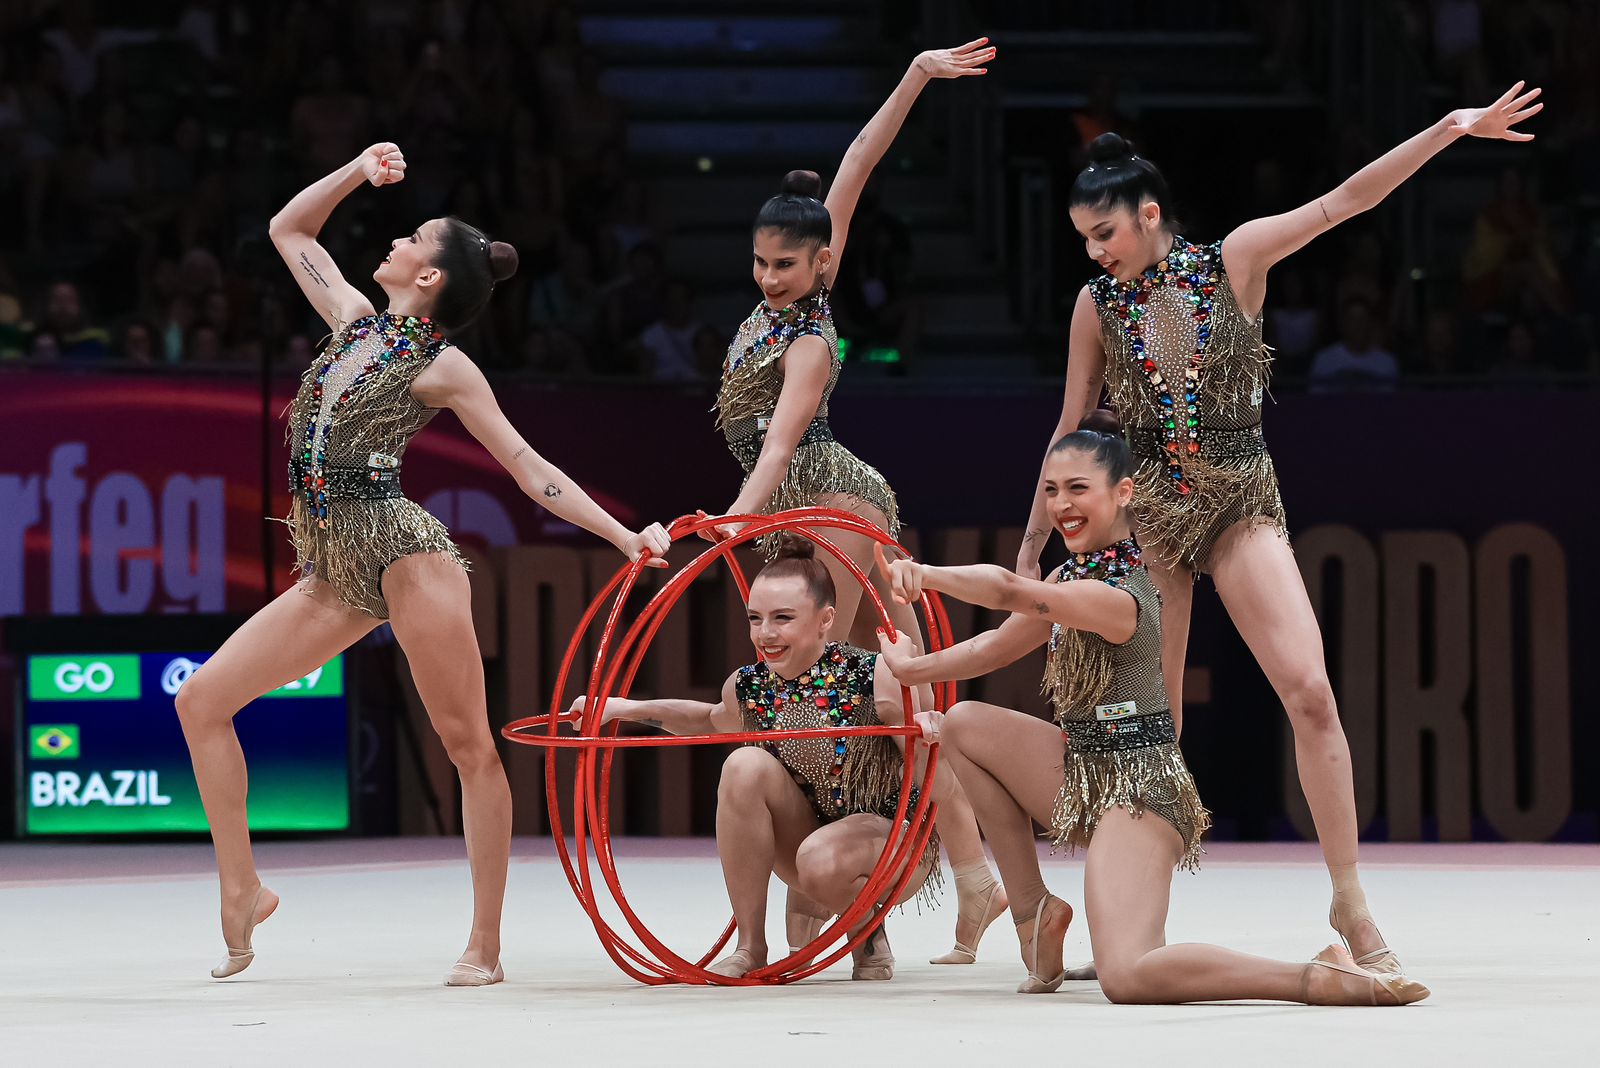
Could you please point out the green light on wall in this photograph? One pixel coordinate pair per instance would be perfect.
(875, 354)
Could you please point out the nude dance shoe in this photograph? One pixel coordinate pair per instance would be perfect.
(735, 965)
(874, 962)
(462, 974)
(1383, 988)
(1382, 959)
(239, 958)
(1062, 916)
(985, 908)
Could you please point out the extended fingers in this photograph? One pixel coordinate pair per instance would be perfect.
(1522, 101)
(1524, 114)
(1509, 93)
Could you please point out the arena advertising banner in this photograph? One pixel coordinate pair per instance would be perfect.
(1439, 552)
(103, 752)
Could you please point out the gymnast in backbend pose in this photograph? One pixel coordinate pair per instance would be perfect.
(1107, 776)
(368, 554)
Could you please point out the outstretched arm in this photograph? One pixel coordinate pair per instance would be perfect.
(975, 657)
(1254, 247)
(455, 382)
(876, 137)
(673, 715)
(1086, 376)
(1091, 606)
(294, 232)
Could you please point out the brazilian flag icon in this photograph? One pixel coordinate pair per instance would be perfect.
(54, 742)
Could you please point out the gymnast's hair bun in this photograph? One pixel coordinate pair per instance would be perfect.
(802, 184)
(794, 547)
(1110, 148)
(1102, 420)
(502, 260)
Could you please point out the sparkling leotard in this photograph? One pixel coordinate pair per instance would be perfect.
(1187, 371)
(748, 396)
(1111, 704)
(348, 429)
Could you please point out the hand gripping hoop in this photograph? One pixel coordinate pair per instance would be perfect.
(615, 665)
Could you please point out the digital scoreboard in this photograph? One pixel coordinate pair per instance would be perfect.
(102, 751)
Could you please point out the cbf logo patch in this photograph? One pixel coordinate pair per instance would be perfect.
(1112, 713)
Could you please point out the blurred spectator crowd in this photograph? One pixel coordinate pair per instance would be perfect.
(1508, 230)
(144, 146)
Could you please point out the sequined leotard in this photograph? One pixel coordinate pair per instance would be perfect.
(751, 384)
(348, 428)
(840, 777)
(1111, 704)
(1186, 371)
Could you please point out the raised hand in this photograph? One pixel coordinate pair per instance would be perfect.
(957, 62)
(1496, 120)
(383, 164)
(652, 539)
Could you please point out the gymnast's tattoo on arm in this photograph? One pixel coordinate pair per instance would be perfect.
(651, 722)
(519, 452)
(316, 275)
(1041, 608)
(552, 491)
(1032, 536)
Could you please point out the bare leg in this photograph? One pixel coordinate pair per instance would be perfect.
(762, 818)
(848, 597)
(833, 866)
(1261, 588)
(1176, 586)
(299, 631)
(1010, 765)
(430, 603)
(979, 897)
(1128, 880)
(835, 861)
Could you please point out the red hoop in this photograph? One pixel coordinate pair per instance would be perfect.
(615, 665)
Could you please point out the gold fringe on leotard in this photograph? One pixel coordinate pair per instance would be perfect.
(1084, 671)
(1231, 478)
(363, 538)
(874, 769)
(363, 436)
(1154, 778)
(821, 468)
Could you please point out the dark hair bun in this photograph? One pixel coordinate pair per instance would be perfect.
(802, 184)
(502, 260)
(1102, 420)
(1110, 148)
(794, 547)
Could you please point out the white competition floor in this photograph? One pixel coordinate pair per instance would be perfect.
(104, 951)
